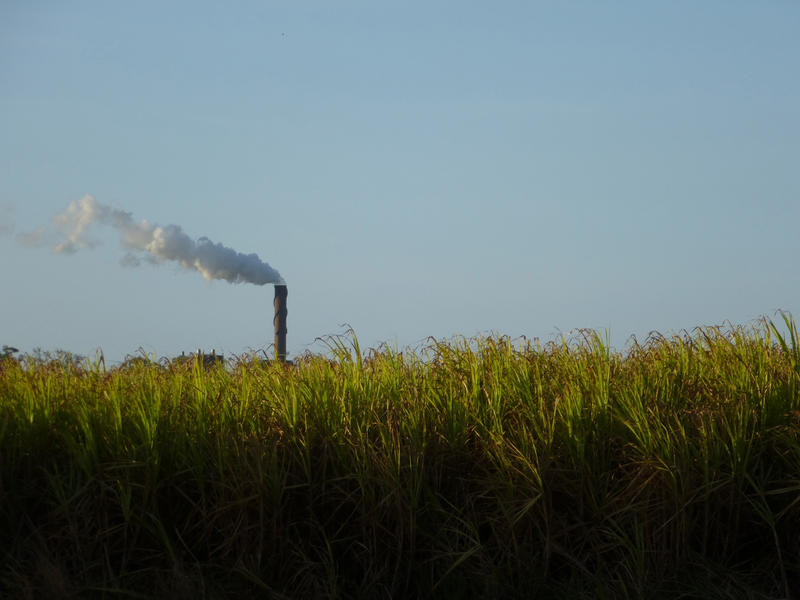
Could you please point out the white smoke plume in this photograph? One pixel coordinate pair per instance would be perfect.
(153, 243)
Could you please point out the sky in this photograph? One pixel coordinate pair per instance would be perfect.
(411, 169)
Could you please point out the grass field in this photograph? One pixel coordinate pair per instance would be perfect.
(476, 468)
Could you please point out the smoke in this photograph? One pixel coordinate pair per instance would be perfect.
(6, 219)
(151, 243)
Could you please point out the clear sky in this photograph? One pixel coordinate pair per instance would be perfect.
(412, 169)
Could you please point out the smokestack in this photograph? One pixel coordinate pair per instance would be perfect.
(279, 321)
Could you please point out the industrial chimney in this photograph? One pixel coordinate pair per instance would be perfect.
(280, 322)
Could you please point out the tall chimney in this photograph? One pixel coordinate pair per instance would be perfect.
(279, 321)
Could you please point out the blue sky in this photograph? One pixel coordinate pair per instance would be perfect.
(412, 169)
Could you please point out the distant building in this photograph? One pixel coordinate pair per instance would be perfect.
(209, 360)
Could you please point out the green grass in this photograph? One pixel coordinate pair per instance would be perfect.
(474, 468)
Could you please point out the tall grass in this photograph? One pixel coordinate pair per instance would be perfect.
(487, 467)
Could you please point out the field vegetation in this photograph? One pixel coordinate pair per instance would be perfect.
(468, 468)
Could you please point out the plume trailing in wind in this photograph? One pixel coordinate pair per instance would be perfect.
(6, 219)
(152, 243)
